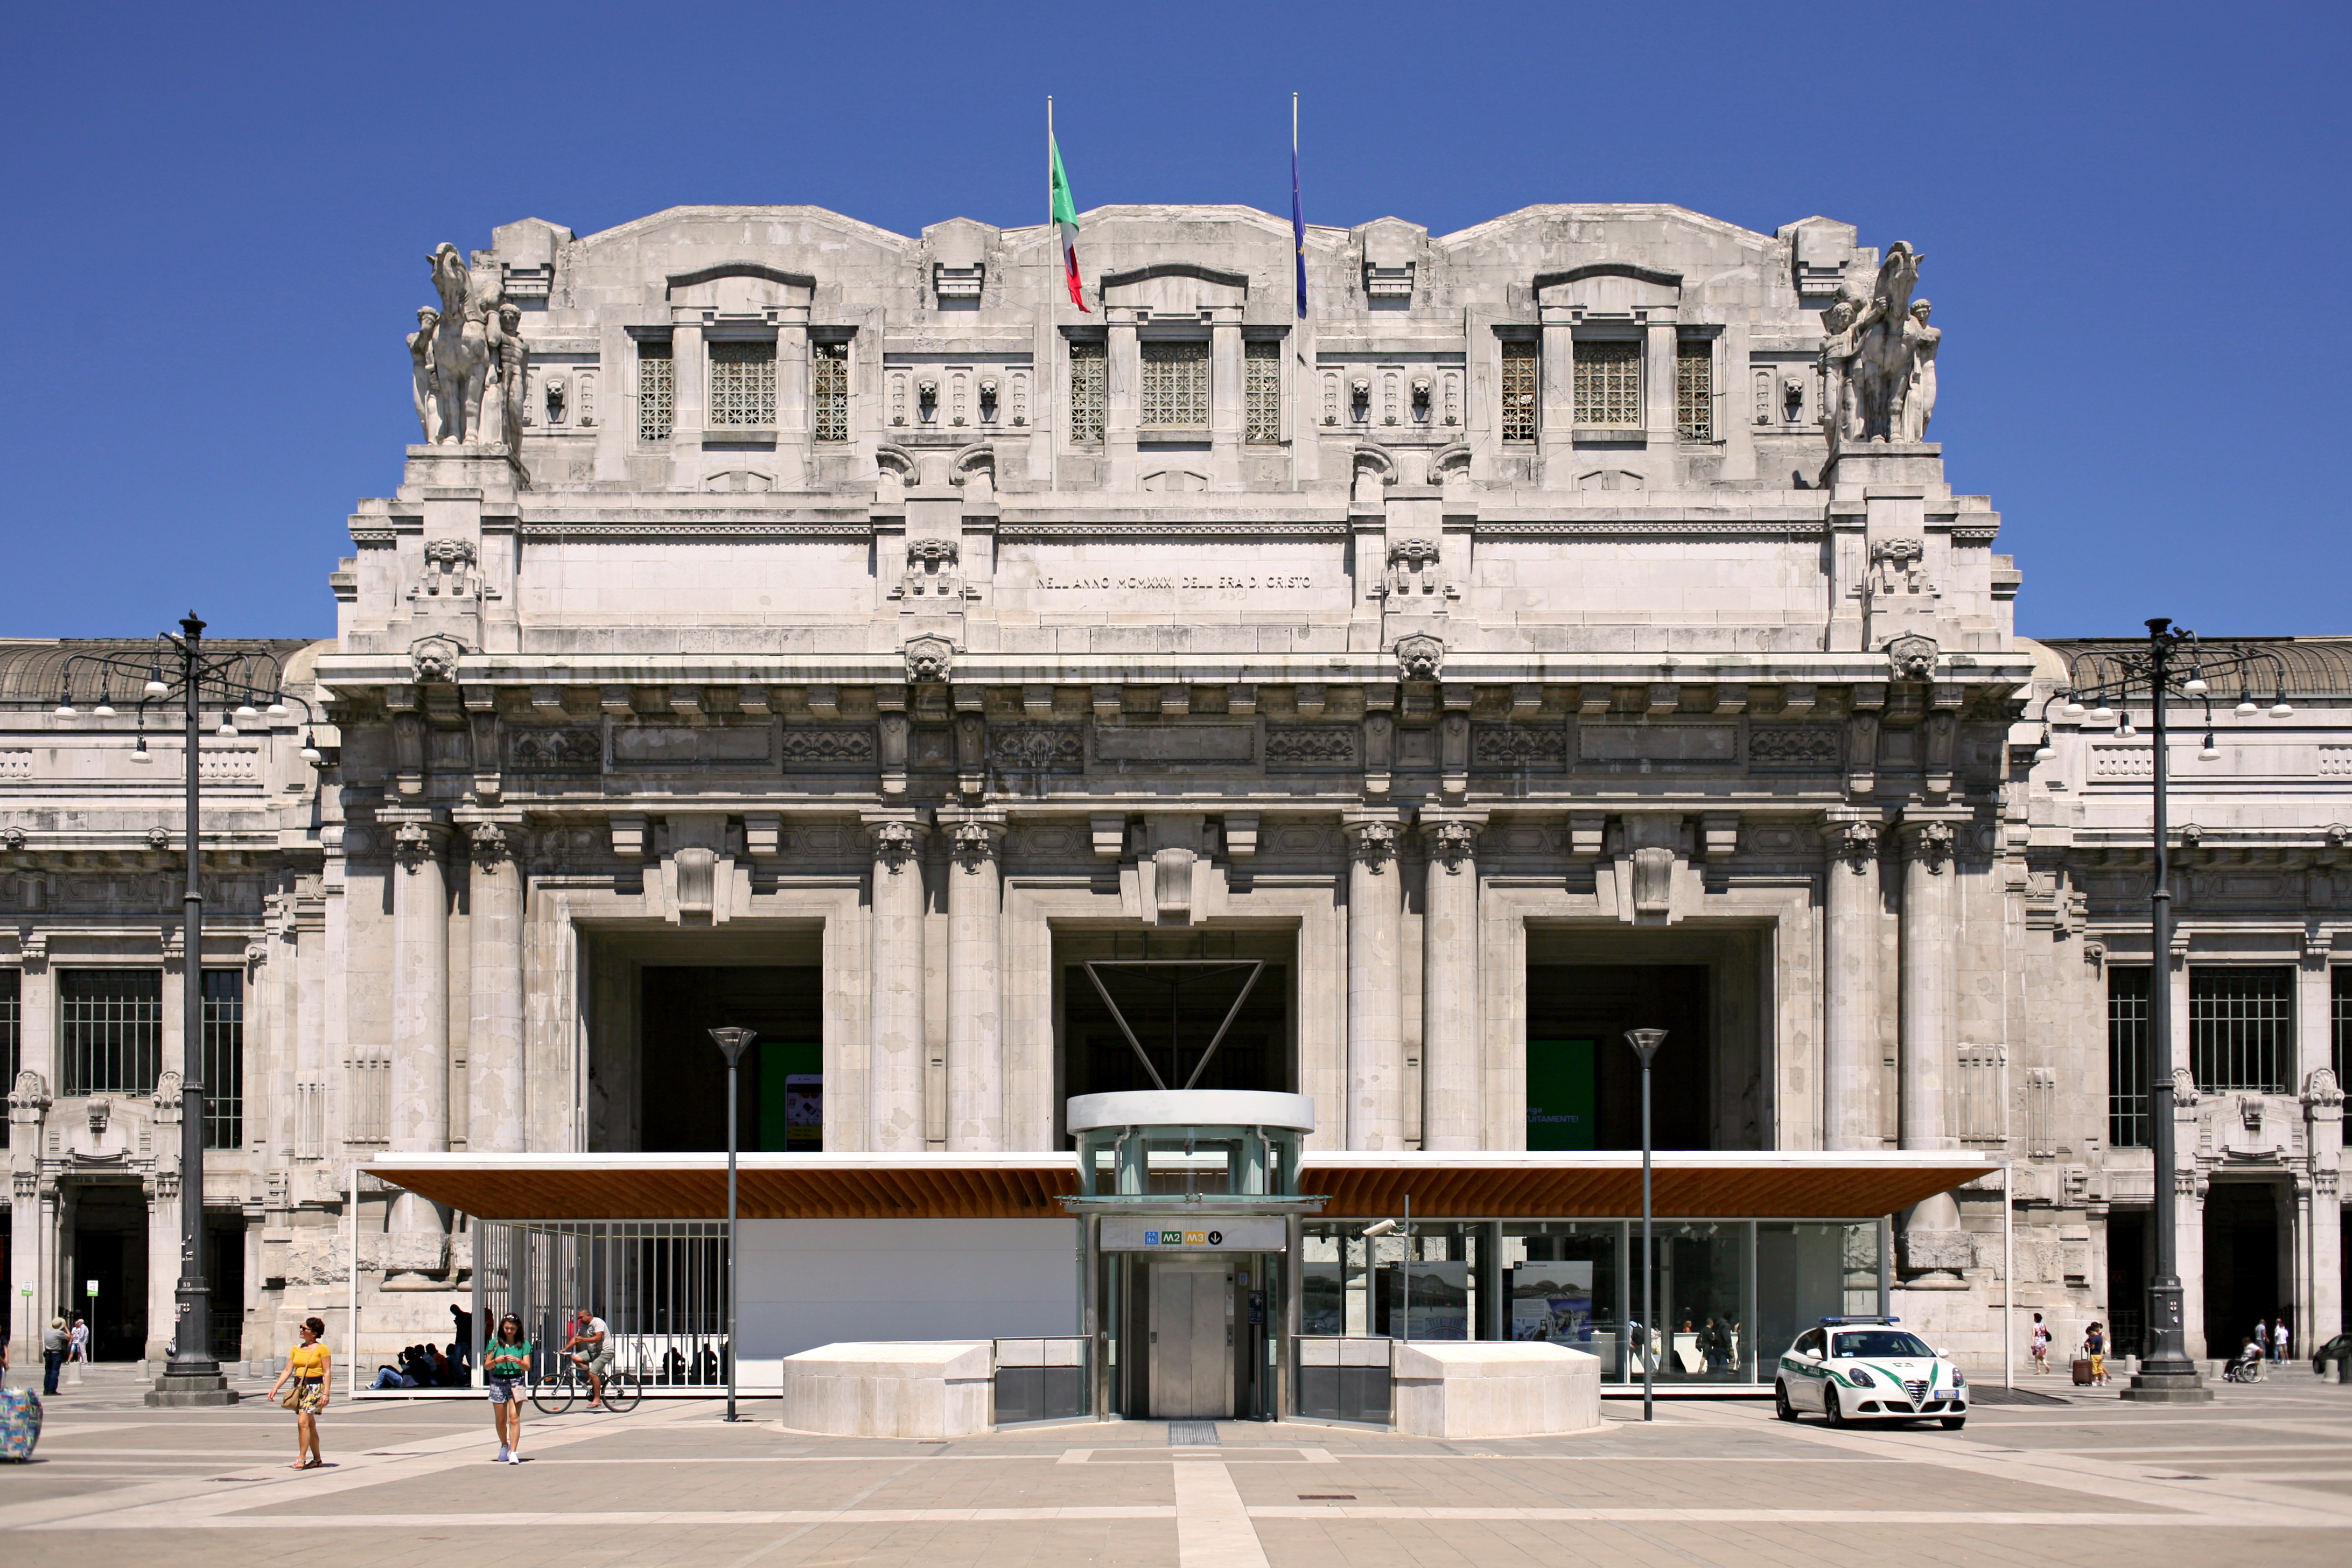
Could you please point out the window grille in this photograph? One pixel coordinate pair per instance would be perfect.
(2041, 1113)
(1983, 1087)
(656, 391)
(832, 387)
(1694, 389)
(2340, 1007)
(1519, 378)
(1261, 389)
(12, 1033)
(111, 1021)
(2241, 1027)
(1087, 393)
(367, 1100)
(1176, 384)
(742, 383)
(2128, 1061)
(223, 1063)
(1608, 382)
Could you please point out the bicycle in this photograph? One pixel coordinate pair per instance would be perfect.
(624, 1386)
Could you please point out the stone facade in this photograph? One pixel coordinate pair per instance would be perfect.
(772, 588)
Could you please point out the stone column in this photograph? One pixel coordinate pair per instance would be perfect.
(2323, 1211)
(163, 1193)
(1849, 1002)
(1452, 1105)
(1375, 1000)
(976, 985)
(494, 1050)
(1226, 396)
(1932, 1242)
(690, 381)
(419, 1111)
(894, 1103)
(1122, 397)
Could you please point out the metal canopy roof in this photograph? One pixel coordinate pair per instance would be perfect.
(1792, 1185)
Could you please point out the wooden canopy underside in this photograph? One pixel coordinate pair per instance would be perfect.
(647, 1187)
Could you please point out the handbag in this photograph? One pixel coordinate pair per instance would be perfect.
(292, 1397)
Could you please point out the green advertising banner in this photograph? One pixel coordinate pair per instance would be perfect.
(1562, 1113)
(791, 1097)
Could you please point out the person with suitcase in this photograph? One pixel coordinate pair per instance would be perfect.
(2094, 1346)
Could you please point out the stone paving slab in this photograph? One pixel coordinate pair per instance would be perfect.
(1717, 1483)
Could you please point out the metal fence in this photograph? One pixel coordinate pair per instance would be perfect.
(2241, 1027)
(660, 1286)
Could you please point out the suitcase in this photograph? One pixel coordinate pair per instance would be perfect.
(2082, 1374)
(20, 1423)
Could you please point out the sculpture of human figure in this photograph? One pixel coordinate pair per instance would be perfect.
(420, 360)
(461, 352)
(1919, 403)
(514, 370)
(1837, 369)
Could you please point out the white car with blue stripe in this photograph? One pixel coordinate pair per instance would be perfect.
(1868, 1369)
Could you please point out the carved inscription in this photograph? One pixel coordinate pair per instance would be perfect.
(1108, 581)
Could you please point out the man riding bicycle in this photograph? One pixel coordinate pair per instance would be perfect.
(589, 1351)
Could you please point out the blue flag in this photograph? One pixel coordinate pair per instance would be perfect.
(1297, 213)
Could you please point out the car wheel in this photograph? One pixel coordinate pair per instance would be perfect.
(1831, 1408)
(1781, 1405)
(1954, 1423)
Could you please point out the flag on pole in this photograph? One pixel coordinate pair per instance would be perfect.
(1065, 211)
(1297, 213)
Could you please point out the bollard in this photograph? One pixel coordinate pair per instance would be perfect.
(2331, 1371)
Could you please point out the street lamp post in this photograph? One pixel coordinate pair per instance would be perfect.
(2175, 664)
(192, 1377)
(732, 1042)
(1645, 1044)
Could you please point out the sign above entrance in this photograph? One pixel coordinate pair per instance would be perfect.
(1195, 1233)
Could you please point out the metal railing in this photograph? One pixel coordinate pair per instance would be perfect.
(2241, 1027)
(660, 1286)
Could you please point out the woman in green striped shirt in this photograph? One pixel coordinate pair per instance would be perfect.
(506, 1369)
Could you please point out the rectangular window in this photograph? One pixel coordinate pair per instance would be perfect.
(1608, 383)
(2127, 1060)
(1176, 385)
(2241, 1027)
(223, 1058)
(657, 390)
(12, 1033)
(1262, 388)
(1694, 389)
(110, 1022)
(1520, 374)
(742, 383)
(1087, 393)
(832, 391)
(2340, 1007)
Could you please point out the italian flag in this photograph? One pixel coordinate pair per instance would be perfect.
(1065, 219)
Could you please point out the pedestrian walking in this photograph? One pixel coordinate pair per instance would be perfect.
(2279, 1341)
(2041, 1346)
(506, 1367)
(2262, 1336)
(54, 1340)
(2094, 1347)
(308, 1366)
(79, 1350)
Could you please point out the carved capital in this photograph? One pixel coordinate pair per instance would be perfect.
(1928, 844)
(2321, 1092)
(895, 845)
(413, 843)
(1372, 841)
(1856, 844)
(1451, 845)
(29, 1092)
(486, 842)
(976, 844)
(2184, 1088)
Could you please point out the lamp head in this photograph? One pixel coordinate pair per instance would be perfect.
(1645, 1042)
(155, 686)
(2279, 710)
(140, 753)
(2245, 710)
(2194, 687)
(2071, 710)
(278, 710)
(104, 709)
(733, 1042)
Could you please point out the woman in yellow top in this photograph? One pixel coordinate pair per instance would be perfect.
(310, 1364)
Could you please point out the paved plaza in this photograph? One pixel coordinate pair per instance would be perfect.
(2260, 1475)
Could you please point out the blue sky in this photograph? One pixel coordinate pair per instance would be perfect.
(220, 216)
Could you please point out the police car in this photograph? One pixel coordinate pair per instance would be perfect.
(1868, 1369)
